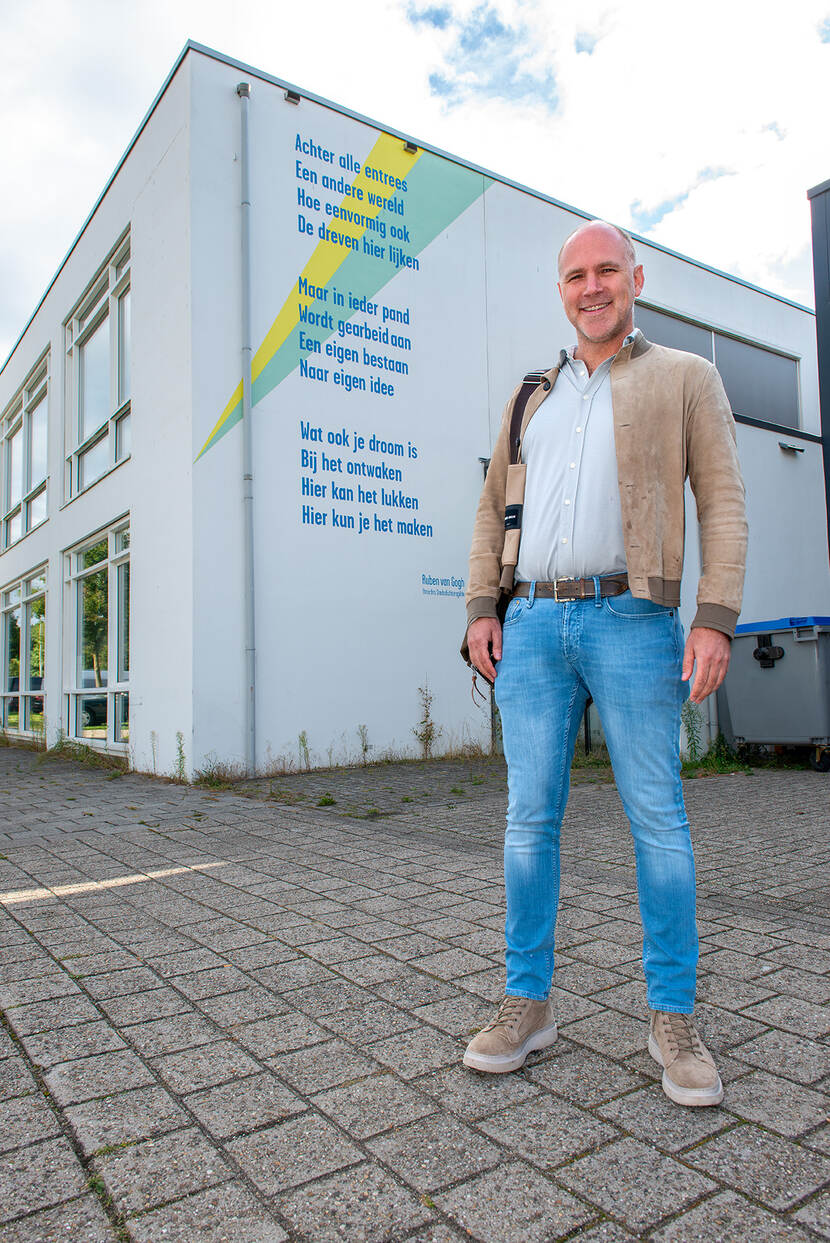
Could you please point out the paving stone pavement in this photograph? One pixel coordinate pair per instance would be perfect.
(238, 1017)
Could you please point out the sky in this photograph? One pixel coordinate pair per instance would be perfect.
(700, 126)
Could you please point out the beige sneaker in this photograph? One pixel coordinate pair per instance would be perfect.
(520, 1026)
(690, 1076)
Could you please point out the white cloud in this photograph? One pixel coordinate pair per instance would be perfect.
(702, 127)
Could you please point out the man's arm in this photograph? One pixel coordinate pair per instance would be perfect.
(714, 474)
(488, 531)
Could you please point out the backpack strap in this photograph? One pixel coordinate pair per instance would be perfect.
(514, 495)
(529, 385)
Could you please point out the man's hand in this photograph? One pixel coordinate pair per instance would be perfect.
(709, 651)
(481, 636)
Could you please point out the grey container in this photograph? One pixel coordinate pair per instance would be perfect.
(777, 689)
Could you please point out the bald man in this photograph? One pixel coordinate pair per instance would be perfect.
(580, 533)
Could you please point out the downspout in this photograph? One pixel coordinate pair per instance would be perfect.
(243, 90)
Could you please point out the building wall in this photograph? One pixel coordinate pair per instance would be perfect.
(355, 625)
(346, 632)
(148, 196)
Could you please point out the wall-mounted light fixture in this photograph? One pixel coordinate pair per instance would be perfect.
(788, 448)
(409, 147)
(291, 97)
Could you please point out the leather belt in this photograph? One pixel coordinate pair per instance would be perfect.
(575, 588)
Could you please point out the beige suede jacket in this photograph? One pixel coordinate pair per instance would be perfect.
(672, 420)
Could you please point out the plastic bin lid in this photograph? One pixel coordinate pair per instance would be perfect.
(781, 623)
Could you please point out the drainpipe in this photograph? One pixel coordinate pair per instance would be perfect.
(243, 90)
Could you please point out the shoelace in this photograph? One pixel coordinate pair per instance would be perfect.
(510, 1011)
(683, 1034)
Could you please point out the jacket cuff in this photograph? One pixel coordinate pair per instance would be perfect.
(481, 606)
(716, 617)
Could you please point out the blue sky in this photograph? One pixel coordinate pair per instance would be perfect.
(701, 128)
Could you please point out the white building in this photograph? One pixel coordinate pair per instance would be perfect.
(397, 295)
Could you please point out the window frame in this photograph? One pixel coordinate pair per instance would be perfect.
(27, 595)
(17, 419)
(118, 555)
(102, 303)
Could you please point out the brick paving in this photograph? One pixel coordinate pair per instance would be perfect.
(238, 1016)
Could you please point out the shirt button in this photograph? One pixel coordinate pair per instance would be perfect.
(585, 397)
(573, 465)
(579, 429)
(564, 540)
(567, 502)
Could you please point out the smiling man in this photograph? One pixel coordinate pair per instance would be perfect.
(592, 496)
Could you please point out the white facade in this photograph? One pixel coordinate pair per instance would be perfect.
(350, 622)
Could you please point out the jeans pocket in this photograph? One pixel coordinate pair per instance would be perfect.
(514, 610)
(635, 609)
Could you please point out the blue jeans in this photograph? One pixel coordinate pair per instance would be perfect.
(627, 653)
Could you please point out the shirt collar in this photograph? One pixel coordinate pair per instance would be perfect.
(567, 355)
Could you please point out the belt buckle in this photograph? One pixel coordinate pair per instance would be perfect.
(556, 583)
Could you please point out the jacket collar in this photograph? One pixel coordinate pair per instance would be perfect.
(634, 345)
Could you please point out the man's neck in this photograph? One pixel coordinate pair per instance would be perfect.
(593, 353)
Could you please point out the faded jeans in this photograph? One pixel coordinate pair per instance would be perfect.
(627, 654)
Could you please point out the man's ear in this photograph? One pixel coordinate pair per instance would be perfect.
(639, 280)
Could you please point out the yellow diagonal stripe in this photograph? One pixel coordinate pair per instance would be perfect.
(388, 155)
(224, 416)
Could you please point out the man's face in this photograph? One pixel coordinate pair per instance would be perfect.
(598, 284)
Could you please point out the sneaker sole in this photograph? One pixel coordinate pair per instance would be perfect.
(500, 1064)
(680, 1095)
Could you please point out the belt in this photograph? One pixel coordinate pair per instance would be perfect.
(575, 588)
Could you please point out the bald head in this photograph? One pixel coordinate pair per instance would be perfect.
(599, 279)
(599, 227)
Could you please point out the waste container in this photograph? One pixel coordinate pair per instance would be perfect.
(777, 689)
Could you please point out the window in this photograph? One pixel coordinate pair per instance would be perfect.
(99, 580)
(24, 655)
(24, 457)
(98, 375)
(760, 383)
(668, 330)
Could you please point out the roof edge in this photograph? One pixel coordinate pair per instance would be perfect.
(822, 188)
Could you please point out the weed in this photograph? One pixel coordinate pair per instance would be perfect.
(27, 742)
(426, 731)
(720, 758)
(218, 774)
(597, 758)
(154, 748)
(180, 769)
(456, 790)
(692, 724)
(326, 801)
(406, 799)
(305, 754)
(365, 744)
(68, 749)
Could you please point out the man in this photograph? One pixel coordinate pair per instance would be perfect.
(592, 561)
